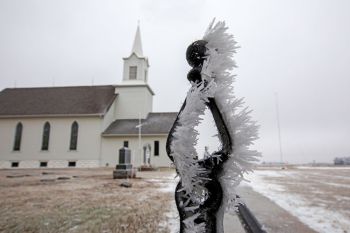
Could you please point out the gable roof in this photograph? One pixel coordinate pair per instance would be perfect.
(56, 101)
(154, 124)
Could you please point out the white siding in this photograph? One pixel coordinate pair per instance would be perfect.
(133, 101)
(141, 65)
(111, 146)
(88, 148)
(109, 116)
(50, 164)
(92, 151)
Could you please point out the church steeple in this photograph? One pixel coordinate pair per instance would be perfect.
(136, 65)
(135, 96)
(137, 47)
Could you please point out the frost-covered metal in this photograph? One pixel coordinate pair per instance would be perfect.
(207, 186)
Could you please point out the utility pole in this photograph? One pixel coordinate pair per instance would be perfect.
(279, 128)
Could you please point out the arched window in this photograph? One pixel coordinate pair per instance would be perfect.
(46, 136)
(18, 137)
(74, 136)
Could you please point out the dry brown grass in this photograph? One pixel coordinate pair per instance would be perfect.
(91, 202)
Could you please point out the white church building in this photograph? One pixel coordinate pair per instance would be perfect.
(85, 126)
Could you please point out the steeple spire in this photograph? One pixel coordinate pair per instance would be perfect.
(136, 65)
(137, 47)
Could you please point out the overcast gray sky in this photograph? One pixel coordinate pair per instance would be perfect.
(297, 48)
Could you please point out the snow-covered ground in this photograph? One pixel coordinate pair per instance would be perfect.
(167, 185)
(318, 197)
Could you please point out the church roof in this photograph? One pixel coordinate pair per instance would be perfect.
(56, 101)
(155, 123)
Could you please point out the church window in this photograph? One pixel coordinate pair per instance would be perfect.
(14, 164)
(18, 137)
(46, 136)
(72, 163)
(132, 72)
(156, 148)
(43, 164)
(126, 143)
(74, 136)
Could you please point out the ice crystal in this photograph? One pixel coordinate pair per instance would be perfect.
(216, 72)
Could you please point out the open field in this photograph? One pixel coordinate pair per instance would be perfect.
(82, 200)
(89, 200)
(317, 196)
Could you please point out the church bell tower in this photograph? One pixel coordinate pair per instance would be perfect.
(135, 96)
(136, 65)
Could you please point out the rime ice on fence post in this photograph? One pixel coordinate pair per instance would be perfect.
(207, 186)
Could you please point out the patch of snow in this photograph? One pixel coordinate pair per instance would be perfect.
(323, 168)
(173, 220)
(342, 198)
(168, 185)
(317, 217)
(343, 177)
(336, 184)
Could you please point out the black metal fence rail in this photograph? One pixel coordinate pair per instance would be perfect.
(248, 220)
